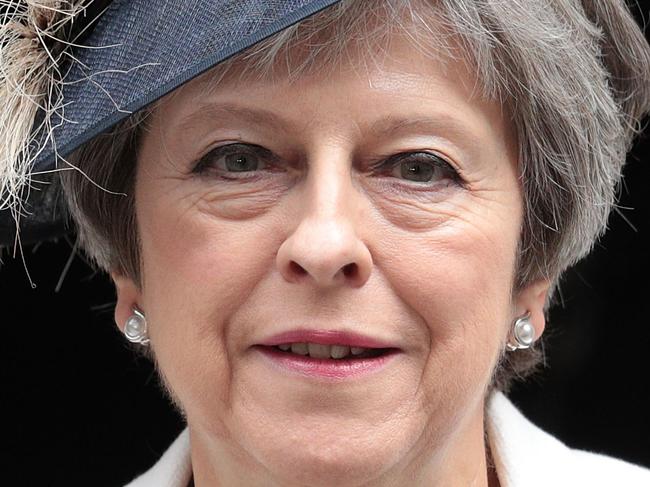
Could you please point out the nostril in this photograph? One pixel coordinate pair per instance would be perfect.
(349, 270)
(297, 268)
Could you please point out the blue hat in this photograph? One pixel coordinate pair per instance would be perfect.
(134, 52)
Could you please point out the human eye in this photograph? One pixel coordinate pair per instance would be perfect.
(235, 161)
(425, 169)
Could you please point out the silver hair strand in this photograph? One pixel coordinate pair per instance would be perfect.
(32, 51)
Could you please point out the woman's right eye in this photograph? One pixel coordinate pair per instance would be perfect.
(230, 159)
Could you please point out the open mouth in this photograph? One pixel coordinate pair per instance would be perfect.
(334, 352)
(327, 354)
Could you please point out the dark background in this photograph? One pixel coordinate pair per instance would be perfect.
(80, 408)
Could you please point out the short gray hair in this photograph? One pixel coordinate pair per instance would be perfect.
(573, 75)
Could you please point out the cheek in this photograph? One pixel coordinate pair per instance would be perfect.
(202, 262)
(197, 274)
(457, 276)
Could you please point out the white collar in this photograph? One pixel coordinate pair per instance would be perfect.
(174, 469)
(524, 456)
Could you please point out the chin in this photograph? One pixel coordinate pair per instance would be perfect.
(305, 462)
(331, 452)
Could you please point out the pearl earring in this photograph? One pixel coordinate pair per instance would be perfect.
(135, 328)
(522, 335)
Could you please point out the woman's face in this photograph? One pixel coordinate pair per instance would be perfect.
(381, 203)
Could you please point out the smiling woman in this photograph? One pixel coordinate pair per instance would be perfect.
(338, 245)
(313, 228)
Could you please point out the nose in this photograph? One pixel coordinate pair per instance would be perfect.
(324, 247)
(327, 252)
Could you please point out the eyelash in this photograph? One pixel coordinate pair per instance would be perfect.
(204, 164)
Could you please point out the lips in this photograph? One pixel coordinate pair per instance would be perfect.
(327, 353)
(326, 337)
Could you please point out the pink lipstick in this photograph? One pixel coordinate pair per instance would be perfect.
(327, 354)
(326, 337)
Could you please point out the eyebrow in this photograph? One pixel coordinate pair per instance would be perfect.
(229, 112)
(443, 124)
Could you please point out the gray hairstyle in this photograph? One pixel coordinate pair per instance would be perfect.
(573, 75)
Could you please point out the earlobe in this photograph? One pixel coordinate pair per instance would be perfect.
(532, 301)
(129, 297)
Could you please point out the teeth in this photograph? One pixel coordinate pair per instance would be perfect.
(319, 351)
(339, 351)
(316, 350)
(299, 348)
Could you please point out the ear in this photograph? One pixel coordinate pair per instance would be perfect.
(532, 299)
(129, 296)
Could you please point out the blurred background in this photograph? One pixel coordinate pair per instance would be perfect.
(80, 408)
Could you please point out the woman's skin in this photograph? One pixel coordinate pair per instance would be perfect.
(313, 237)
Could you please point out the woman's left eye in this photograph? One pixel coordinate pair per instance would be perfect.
(420, 167)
